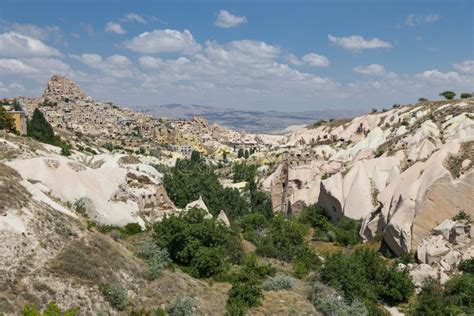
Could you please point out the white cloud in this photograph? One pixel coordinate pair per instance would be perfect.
(466, 66)
(226, 19)
(17, 45)
(243, 51)
(374, 70)
(14, 66)
(134, 17)
(112, 27)
(357, 43)
(414, 20)
(436, 75)
(316, 60)
(38, 32)
(292, 59)
(163, 41)
(115, 66)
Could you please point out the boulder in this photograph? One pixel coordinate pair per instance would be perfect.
(460, 233)
(432, 249)
(222, 217)
(419, 273)
(444, 228)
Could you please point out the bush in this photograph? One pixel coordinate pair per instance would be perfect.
(334, 305)
(462, 215)
(201, 245)
(243, 295)
(282, 238)
(244, 172)
(115, 294)
(181, 306)
(279, 282)
(346, 272)
(190, 179)
(449, 95)
(422, 99)
(345, 233)
(466, 95)
(6, 120)
(51, 309)
(158, 259)
(467, 266)
(131, 229)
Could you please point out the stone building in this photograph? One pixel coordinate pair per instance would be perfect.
(20, 121)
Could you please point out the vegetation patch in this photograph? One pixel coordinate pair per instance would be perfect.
(12, 193)
(454, 161)
(93, 261)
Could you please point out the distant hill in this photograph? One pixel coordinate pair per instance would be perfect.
(252, 121)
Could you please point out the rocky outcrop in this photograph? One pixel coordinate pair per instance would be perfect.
(222, 217)
(440, 253)
(354, 195)
(60, 88)
(199, 203)
(423, 196)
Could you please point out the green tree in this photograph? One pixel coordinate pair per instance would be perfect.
(466, 95)
(240, 153)
(448, 95)
(6, 120)
(346, 272)
(39, 128)
(195, 156)
(201, 245)
(246, 154)
(422, 99)
(188, 180)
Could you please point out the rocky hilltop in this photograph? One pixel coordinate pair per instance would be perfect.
(60, 88)
(402, 171)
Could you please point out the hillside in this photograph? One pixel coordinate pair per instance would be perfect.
(133, 215)
(274, 122)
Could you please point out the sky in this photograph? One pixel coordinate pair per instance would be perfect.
(251, 55)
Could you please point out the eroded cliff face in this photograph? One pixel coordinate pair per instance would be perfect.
(402, 171)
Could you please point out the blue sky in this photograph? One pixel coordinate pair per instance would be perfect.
(260, 55)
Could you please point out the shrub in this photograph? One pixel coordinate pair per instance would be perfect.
(243, 295)
(131, 229)
(157, 258)
(181, 306)
(51, 309)
(279, 282)
(466, 95)
(449, 95)
(202, 245)
(345, 233)
(115, 294)
(190, 179)
(347, 272)
(462, 215)
(6, 120)
(335, 305)
(244, 172)
(422, 99)
(467, 266)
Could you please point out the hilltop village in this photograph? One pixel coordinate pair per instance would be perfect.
(108, 210)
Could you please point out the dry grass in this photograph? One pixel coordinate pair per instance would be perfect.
(127, 160)
(454, 162)
(95, 261)
(210, 297)
(284, 303)
(12, 193)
